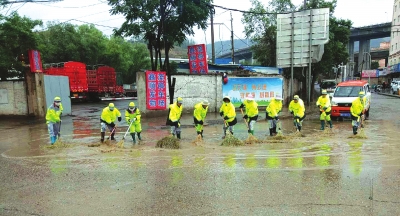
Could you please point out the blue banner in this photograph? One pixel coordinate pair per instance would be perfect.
(261, 88)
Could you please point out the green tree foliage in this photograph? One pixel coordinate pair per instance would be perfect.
(16, 38)
(374, 65)
(262, 30)
(63, 42)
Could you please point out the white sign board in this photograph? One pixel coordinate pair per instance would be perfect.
(317, 20)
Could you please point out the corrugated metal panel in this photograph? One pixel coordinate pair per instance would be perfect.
(58, 86)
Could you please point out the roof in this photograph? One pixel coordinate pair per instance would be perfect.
(353, 83)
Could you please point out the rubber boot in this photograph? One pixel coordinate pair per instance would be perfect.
(355, 130)
(274, 131)
(112, 136)
(299, 128)
(322, 125)
(271, 130)
(249, 131)
(201, 133)
(133, 138)
(330, 124)
(102, 136)
(178, 135)
(53, 139)
(138, 136)
(252, 132)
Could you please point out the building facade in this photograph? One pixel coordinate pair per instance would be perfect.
(394, 50)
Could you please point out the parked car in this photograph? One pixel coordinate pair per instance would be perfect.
(329, 86)
(395, 86)
(345, 93)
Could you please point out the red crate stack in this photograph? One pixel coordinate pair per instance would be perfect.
(92, 80)
(106, 79)
(76, 71)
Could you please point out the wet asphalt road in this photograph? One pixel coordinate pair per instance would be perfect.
(319, 174)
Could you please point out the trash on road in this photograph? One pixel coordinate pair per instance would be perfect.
(168, 142)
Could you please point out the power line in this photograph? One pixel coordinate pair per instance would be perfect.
(250, 12)
(25, 1)
(67, 7)
(94, 23)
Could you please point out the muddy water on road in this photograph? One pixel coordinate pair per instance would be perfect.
(323, 172)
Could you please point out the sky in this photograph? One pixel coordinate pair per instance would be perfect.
(97, 12)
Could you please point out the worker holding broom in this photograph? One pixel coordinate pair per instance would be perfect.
(297, 109)
(199, 115)
(273, 109)
(53, 119)
(227, 111)
(175, 113)
(132, 117)
(357, 111)
(251, 113)
(324, 105)
(108, 116)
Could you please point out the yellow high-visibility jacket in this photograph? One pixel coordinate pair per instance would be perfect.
(130, 115)
(357, 107)
(229, 110)
(298, 108)
(274, 107)
(53, 114)
(175, 112)
(251, 108)
(324, 102)
(199, 112)
(109, 116)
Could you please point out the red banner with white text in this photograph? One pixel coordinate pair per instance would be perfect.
(198, 59)
(156, 90)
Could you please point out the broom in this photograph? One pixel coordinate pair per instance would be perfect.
(120, 144)
(108, 138)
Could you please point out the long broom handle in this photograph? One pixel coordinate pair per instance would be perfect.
(127, 130)
(241, 110)
(111, 132)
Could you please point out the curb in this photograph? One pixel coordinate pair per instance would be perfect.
(389, 95)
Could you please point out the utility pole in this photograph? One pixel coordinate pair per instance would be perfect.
(305, 4)
(212, 35)
(233, 47)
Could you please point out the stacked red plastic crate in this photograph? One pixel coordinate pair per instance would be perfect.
(76, 72)
(106, 79)
(92, 80)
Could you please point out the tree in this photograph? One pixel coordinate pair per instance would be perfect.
(374, 65)
(63, 42)
(262, 30)
(16, 38)
(162, 23)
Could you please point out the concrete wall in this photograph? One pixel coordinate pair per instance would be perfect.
(192, 88)
(13, 99)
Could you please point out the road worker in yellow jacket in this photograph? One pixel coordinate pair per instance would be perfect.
(324, 105)
(175, 113)
(53, 119)
(107, 119)
(199, 115)
(298, 110)
(272, 115)
(251, 112)
(132, 117)
(357, 111)
(227, 111)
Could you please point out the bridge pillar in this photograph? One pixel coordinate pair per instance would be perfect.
(363, 58)
(349, 66)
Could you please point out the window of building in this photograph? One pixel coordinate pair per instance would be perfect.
(392, 47)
